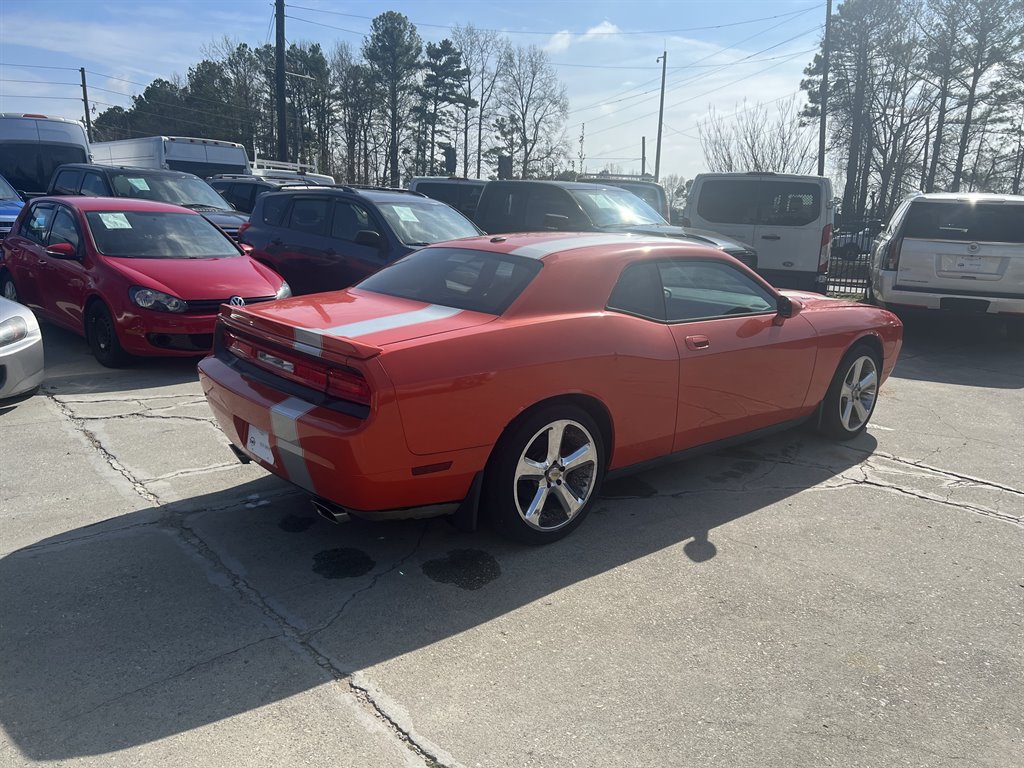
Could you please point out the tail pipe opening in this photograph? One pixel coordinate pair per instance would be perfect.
(328, 511)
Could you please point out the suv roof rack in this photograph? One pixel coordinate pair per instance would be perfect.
(371, 187)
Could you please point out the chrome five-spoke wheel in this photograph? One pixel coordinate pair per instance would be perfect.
(852, 395)
(546, 473)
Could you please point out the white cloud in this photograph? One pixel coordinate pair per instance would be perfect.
(602, 29)
(559, 42)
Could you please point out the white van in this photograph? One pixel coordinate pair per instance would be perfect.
(787, 218)
(954, 252)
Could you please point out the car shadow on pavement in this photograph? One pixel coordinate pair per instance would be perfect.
(970, 350)
(155, 623)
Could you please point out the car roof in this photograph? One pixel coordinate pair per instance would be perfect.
(553, 183)
(375, 194)
(126, 168)
(589, 246)
(965, 197)
(86, 204)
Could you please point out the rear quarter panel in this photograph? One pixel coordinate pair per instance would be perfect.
(462, 390)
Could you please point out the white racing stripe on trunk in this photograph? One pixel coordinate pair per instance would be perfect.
(283, 418)
(540, 250)
(388, 323)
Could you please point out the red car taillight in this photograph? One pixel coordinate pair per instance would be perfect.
(343, 383)
(826, 249)
(892, 253)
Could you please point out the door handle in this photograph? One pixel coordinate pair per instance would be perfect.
(698, 342)
(41, 261)
(770, 237)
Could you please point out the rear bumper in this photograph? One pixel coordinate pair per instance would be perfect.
(890, 294)
(359, 465)
(21, 366)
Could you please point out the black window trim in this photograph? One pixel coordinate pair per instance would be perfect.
(74, 221)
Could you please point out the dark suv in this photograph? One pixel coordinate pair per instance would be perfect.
(242, 191)
(174, 187)
(329, 238)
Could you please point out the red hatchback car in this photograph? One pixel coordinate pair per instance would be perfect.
(510, 374)
(135, 277)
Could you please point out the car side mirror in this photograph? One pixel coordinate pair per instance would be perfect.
(62, 251)
(556, 221)
(246, 248)
(369, 238)
(787, 307)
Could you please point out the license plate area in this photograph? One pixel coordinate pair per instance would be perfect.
(957, 304)
(257, 442)
(966, 264)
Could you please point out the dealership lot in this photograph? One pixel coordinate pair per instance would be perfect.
(788, 602)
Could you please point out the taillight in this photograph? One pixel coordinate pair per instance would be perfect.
(343, 383)
(245, 226)
(826, 249)
(348, 385)
(892, 253)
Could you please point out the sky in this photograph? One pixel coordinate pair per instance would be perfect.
(725, 54)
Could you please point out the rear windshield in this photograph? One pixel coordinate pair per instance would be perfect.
(417, 222)
(480, 281)
(767, 202)
(29, 165)
(158, 235)
(966, 221)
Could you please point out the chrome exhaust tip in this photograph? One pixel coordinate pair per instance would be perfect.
(329, 512)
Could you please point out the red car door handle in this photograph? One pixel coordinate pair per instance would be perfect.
(697, 342)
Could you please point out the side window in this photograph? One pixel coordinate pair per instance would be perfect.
(273, 209)
(728, 201)
(309, 215)
(446, 193)
(789, 203)
(66, 182)
(545, 200)
(897, 217)
(639, 292)
(470, 197)
(35, 225)
(350, 218)
(64, 229)
(696, 290)
(506, 211)
(95, 185)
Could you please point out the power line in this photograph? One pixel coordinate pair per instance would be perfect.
(565, 32)
(670, 69)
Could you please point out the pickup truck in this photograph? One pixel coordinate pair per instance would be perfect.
(532, 206)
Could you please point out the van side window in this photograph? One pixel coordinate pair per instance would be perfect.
(789, 203)
(728, 201)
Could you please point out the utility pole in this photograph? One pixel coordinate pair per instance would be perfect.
(643, 155)
(85, 100)
(282, 123)
(823, 95)
(661, 114)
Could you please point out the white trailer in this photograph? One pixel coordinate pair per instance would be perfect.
(203, 157)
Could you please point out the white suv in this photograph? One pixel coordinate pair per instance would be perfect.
(953, 252)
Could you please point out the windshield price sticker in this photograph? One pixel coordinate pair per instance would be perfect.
(405, 213)
(139, 184)
(115, 221)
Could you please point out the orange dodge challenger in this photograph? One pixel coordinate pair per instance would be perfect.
(508, 376)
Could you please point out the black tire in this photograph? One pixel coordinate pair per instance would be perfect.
(101, 333)
(565, 494)
(852, 395)
(7, 287)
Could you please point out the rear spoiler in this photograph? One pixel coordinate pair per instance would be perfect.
(310, 341)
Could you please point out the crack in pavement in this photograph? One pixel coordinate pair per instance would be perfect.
(110, 458)
(291, 635)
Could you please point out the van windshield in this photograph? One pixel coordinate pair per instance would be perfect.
(614, 207)
(28, 165)
(965, 221)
